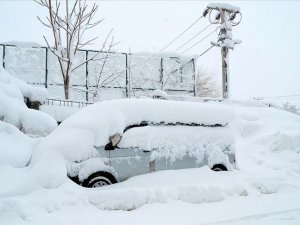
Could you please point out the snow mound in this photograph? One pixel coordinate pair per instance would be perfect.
(59, 113)
(282, 142)
(13, 110)
(15, 147)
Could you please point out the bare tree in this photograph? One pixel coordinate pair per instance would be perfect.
(104, 78)
(68, 26)
(206, 85)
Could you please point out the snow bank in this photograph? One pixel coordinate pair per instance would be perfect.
(14, 111)
(15, 147)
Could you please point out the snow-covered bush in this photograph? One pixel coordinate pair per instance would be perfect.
(291, 108)
(13, 110)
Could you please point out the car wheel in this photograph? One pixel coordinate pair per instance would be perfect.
(99, 179)
(219, 167)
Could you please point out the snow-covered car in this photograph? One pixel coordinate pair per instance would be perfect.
(114, 140)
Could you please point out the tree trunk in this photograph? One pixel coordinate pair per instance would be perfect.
(66, 87)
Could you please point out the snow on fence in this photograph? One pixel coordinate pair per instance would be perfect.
(112, 75)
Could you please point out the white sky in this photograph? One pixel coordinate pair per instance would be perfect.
(266, 63)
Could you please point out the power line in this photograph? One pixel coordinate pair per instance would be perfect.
(198, 42)
(193, 37)
(181, 33)
(183, 65)
(204, 52)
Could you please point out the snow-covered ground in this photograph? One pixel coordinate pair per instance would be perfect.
(264, 190)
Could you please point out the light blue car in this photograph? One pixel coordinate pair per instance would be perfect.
(148, 147)
(114, 140)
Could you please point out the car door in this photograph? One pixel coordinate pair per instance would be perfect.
(176, 160)
(128, 162)
(166, 163)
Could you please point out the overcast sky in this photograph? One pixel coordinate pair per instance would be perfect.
(266, 63)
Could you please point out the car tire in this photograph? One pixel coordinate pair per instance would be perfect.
(99, 179)
(219, 167)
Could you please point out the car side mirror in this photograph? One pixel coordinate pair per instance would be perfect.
(113, 141)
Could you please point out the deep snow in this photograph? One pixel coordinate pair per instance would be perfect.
(265, 189)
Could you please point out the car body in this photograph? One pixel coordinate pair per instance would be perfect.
(139, 136)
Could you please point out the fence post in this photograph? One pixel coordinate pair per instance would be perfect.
(126, 74)
(3, 57)
(86, 76)
(161, 73)
(194, 75)
(46, 69)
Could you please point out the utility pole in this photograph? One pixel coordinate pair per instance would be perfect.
(226, 16)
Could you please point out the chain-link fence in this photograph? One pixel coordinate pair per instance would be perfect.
(108, 76)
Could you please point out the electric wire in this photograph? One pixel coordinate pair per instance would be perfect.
(182, 66)
(193, 37)
(198, 42)
(181, 33)
(204, 52)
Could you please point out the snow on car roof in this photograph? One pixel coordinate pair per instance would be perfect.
(109, 117)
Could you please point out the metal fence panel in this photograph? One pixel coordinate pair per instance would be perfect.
(27, 64)
(144, 72)
(109, 75)
(108, 69)
(178, 74)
